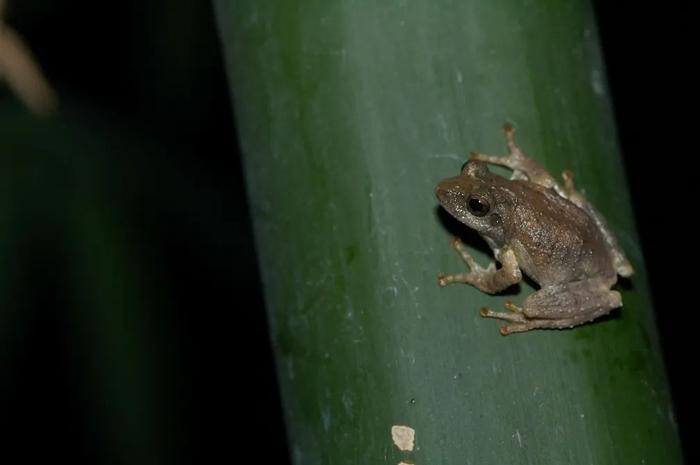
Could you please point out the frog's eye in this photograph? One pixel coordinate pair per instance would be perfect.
(478, 206)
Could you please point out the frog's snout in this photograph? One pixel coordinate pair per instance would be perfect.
(447, 189)
(442, 194)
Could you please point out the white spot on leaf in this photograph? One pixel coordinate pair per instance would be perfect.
(403, 437)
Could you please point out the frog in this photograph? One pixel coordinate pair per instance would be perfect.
(540, 227)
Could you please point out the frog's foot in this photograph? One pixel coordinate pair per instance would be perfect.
(568, 177)
(512, 161)
(568, 191)
(515, 151)
(489, 279)
(564, 323)
(515, 315)
(476, 272)
(524, 168)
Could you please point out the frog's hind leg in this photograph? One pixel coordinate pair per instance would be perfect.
(565, 323)
(622, 265)
(524, 168)
(565, 306)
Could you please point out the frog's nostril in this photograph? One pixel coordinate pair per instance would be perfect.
(441, 192)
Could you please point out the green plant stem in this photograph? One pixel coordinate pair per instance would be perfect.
(349, 114)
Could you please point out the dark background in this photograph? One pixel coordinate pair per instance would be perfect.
(650, 51)
(145, 160)
(172, 364)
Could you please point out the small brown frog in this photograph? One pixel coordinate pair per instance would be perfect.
(550, 232)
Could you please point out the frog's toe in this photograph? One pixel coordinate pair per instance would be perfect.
(505, 330)
(514, 317)
(512, 307)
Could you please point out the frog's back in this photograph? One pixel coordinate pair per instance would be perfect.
(554, 240)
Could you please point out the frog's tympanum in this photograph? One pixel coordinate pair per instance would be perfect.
(536, 226)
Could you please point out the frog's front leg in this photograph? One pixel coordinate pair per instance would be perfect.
(524, 168)
(561, 306)
(489, 279)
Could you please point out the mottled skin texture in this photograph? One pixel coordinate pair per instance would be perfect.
(550, 232)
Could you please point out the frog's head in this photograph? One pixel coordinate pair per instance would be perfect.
(475, 198)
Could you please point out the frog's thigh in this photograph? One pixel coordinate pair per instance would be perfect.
(585, 299)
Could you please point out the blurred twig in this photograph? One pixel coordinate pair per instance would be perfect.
(19, 68)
